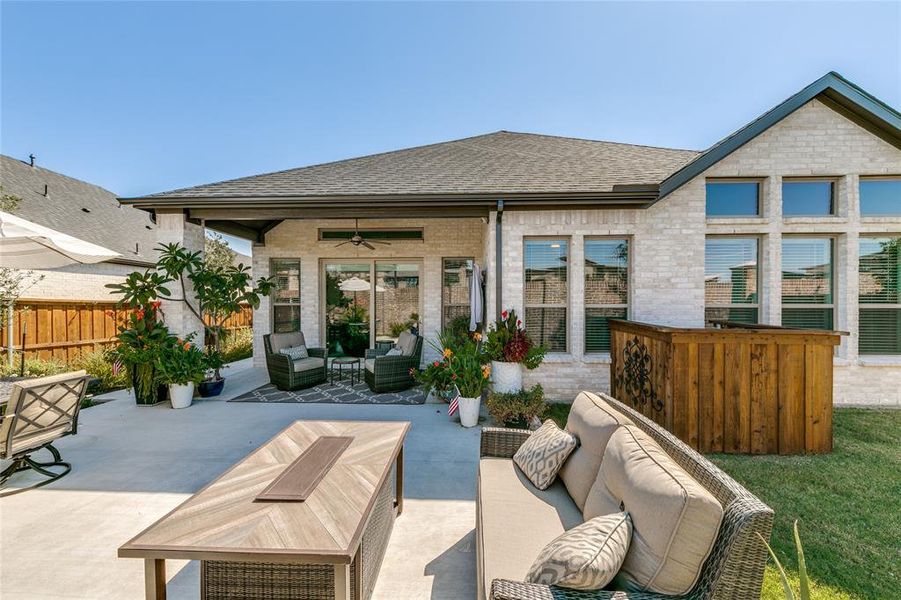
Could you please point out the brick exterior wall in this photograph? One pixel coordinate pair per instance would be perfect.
(79, 282)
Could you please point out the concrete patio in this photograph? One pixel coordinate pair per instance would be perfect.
(133, 465)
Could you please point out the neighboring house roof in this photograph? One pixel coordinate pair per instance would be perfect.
(522, 170)
(79, 209)
(494, 164)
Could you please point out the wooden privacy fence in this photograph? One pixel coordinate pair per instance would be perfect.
(64, 330)
(760, 390)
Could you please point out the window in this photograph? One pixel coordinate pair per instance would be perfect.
(456, 275)
(880, 295)
(880, 197)
(731, 280)
(606, 289)
(807, 283)
(733, 198)
(808, 198)
(546, 292)
(285, 295)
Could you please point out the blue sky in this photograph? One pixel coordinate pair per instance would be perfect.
(145, 97)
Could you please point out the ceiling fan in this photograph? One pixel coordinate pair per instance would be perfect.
(357, 240)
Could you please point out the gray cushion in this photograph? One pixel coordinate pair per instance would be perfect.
(394, 352)
(586, 557)
(308, 364)
(286, 340)
(543, 453)
(675, 519)
(592, 421)
(369, 363)
(406, 343)
(295, 352)
(516, 520)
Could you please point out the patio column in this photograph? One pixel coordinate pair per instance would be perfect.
(173, 227)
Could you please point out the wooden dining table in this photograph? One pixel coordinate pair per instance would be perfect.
(313, 506)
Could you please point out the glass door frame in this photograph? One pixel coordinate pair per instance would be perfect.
(323, 262)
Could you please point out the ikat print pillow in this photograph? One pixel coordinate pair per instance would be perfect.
(542, 455)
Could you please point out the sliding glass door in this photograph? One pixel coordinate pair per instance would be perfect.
(357, 314)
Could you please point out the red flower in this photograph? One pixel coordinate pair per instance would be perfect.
(504, 315)
(518, 322)
(139, 313)
(435, 363)
(156, 304)
(454, 376)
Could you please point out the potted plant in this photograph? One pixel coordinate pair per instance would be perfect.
(437, 377)
(510, 348)
(469, 373)
(210, 386)
(143, 334)
(181, 366)
(516, 409)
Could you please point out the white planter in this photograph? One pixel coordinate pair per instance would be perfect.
(506, 377)
(180, 394)
(469, 411)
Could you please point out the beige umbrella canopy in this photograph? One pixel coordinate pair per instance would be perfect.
(27, 245)
(355, 284)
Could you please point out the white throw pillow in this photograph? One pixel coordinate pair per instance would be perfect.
(586, 557)
(295, 352)
(542, 455)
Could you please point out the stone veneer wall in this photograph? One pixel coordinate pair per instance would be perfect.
(299, 239)
(79, 282)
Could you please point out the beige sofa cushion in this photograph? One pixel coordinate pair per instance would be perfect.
(592, 421)
(308, 364)
(587, 556)
(675, 519)
(406, 343)
(543, 453)
(516, 520)
(286, 340)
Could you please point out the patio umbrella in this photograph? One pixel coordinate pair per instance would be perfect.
(27, 245)
(475, 298)
(355, 284)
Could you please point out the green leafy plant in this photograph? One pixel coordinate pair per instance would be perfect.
(181, 363)
(34, 367)
(517, 408)
(237, 344)
(101, 364)
(468, 367)
(804, 581)
(507, 341)
(456, 331)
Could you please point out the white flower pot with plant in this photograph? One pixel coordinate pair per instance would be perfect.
(469, 373)
(181, 365)
(510, 348)
(469, 410)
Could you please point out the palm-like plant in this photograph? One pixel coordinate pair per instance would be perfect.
(804, 581)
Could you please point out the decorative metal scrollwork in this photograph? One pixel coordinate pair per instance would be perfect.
(634, 379)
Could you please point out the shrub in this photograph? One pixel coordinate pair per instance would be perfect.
(34, 367)
(517, 407)
(237, 344)
(99, 364)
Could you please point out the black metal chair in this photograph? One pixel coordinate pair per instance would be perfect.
(39, 412)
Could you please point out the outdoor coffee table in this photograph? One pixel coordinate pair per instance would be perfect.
(328, 545)
(338, 365)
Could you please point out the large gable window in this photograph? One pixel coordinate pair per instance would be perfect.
(731, 279)
(285, 295)
(880, 295)
(880, 197)
(733, 198)
(606, 289)
(546, 292)
(807, 282)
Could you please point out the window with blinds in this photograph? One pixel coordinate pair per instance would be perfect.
(456, 275)
(545, 292)
(606, 289)
(880, 295)
(807, 283)
(731, 279)
(285, 294)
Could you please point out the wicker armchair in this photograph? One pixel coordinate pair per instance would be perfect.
(391, 373)
(734, 569)
(282, 371)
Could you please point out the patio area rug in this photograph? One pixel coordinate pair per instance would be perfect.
(339, 393)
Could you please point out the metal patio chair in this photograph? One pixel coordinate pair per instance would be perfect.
(39, 412)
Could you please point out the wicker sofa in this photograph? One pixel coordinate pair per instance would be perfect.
(515, 520)
(287, 374)
(384, 373)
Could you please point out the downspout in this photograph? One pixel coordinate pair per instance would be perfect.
(498, 259)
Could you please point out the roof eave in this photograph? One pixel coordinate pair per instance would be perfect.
(881, 118)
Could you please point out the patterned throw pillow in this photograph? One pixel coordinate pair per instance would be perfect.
(295, 352)
(586, 557)
(542, 455)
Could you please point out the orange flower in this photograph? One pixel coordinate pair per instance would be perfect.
(486, 371)
(477, 336)
(156, 304)
(139, 313)
(187, 345)
(447, 353)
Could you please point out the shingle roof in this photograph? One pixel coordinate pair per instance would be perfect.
(126, 230)
(495, 163)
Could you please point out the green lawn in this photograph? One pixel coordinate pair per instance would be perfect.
(848, 505)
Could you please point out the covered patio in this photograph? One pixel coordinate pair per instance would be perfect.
(132, 465)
